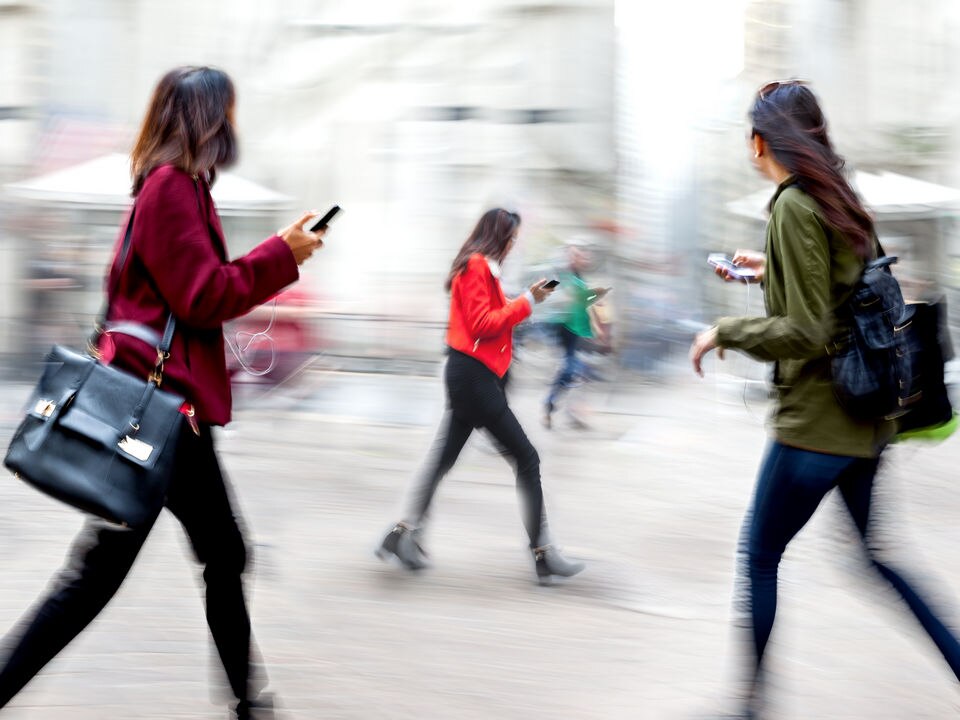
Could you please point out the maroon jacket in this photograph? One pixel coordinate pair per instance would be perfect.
(178, 261)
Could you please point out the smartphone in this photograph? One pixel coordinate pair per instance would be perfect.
(550, 284)
(735, 271)
(325, 220)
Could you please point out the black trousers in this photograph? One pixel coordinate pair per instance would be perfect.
(103, 554)
(477, 399)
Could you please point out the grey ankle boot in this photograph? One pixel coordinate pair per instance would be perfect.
(262, 708)
(550, 563)
(403, 543)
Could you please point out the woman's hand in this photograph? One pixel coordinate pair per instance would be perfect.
(749, 259)
(703, 343)
(302, 242)
(539, 292)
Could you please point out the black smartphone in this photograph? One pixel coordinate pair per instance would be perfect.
(550, 284)
(325, 220)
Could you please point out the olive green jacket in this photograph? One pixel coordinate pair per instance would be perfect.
(810, 272)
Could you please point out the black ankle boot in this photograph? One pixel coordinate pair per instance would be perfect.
(549, 563)
(402, 543)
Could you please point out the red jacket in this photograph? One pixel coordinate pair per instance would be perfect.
(481, 317)
(178, 261)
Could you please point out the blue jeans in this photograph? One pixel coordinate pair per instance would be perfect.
(790, 486)
(570, 371)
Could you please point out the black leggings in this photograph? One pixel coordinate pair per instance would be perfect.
(477, 399)
(103, 554)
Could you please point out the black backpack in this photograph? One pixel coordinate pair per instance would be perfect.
(888, 364)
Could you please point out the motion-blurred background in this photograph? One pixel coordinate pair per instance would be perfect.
(618, 123)
(615, 125)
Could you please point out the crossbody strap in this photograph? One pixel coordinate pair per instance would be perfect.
(133, 329)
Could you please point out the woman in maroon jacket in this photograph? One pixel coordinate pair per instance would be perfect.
(480, 340)
(177, 263)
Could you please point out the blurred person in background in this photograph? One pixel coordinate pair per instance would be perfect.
(818, 238)
(574, 327)
(480, 342)
(177, 263)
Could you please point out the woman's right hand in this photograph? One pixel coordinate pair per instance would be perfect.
(539, 292)
(302, 243)
(752, 260)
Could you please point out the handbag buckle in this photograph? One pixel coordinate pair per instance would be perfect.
(45, 408)
(156, 377)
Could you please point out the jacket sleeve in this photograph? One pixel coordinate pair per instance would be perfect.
(172, 239)
(482, 320)
(799, 241)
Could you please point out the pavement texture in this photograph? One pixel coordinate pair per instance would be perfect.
(650, 494)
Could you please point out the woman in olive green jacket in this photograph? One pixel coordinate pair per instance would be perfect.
(818, 238)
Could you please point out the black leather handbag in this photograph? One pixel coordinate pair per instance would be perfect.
(99, 438)
(928, 339)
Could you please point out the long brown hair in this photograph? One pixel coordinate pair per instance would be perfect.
(188, 124)
(789, 119)
(491, 237)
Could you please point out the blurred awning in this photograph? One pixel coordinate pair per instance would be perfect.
(104, 184)
(889, 195)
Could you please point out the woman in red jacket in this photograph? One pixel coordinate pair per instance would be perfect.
(480, 340)
(177, 263)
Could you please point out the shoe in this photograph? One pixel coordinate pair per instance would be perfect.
(549, 563)
(261, 708)
(744, 713)
(547, 417)
(577, 421)
(748, 707)
(402, 543)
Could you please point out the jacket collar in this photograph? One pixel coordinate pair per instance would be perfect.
(787, 182)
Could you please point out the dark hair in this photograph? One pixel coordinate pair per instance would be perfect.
(490, 237)
(789, 119)
(188, 124)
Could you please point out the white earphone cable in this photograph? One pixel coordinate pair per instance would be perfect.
(243, 340)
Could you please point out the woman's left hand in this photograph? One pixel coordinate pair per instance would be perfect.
(703, 343)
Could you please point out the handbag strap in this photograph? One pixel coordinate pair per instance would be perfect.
(137, 330)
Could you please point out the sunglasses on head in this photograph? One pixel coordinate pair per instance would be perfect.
(771, 86)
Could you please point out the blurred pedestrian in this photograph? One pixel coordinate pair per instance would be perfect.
(480, 340)
(574, 326)
(818, 238)
(177, 263)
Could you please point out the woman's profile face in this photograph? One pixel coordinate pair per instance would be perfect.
(511, 242)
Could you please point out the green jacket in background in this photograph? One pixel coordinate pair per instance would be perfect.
(810, 271)
(576, 317)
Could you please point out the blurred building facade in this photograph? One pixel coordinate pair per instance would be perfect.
(616, 120)
(883, 71)
(413, 115)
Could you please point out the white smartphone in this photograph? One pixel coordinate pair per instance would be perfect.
(735, 271)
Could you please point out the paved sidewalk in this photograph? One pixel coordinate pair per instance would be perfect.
(650, 495)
